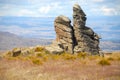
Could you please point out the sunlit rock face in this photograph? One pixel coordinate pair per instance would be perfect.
(64, 33)
(77, 38)
(86, 39)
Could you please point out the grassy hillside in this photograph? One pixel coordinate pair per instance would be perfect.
(39, 64)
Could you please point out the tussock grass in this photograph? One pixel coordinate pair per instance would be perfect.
(55, 56)
(42, 65)
(9, 54)
(39, 49)
(38, 55)
(68, 56)
(110, 58)
(37, 61)
(82, 55)
(104, 62)
(45, 58)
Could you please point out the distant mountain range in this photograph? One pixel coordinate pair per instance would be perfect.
(110, 45)
(9, 41)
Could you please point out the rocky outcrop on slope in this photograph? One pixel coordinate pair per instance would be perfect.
(86, 39)
(64, 33)
(54, 48)
(64, 36)
(76, 38)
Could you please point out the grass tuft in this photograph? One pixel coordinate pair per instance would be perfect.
(37, 61)
(55, 56)
(104, 62)
(68, 56)
(39, 54)
(9, 54)
(82, 55)
(110, 58)
(39, 49)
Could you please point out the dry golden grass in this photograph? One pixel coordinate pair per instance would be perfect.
(39, 49)
(45, 66)
(104, 62)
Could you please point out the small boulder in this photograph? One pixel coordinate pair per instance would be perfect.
(54, 48)
(16, 52)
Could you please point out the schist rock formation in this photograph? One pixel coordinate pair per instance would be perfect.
(74, 39)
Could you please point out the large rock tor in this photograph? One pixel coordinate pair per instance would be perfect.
(86, 39)
(76, 38)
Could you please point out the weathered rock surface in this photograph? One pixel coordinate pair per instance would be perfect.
(16, 52)
(28, 51)
(54, 48)
(76, 38)
(64, 33)
(86, 39)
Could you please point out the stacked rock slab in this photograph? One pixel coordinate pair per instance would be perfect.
(86, 39)
(64, 33)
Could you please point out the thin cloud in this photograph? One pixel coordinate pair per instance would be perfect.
(25, 12)
(51, 8)
(97, 0)
(44, 9)
(108, 11)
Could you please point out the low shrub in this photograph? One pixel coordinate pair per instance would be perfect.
(39, 54)
(68, 56)
(82, 55)
(37, 61)
(46, 52)
(55, 56)
(110, 58)
(104, 62)
(39, 49)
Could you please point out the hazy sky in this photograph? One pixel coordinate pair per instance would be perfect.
(103, 16)
(50, 8)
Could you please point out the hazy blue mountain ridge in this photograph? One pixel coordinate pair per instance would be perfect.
(9, 41)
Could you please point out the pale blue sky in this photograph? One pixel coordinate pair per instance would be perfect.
(51, 8)
(103, 16)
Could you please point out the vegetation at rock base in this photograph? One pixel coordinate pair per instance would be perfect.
(82, 55)
(38, 49)
(110, 58)
(39, 64)
(104, 62)
(38, 55)
(37, 61)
